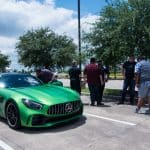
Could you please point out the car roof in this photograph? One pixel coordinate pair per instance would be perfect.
(13, 73)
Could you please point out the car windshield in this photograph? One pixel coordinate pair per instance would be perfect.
(14, 81)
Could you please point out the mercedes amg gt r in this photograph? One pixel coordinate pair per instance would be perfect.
(26, 101)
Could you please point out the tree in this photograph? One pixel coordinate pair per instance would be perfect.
(43, 46)
(64, 51)
(121, 30)
(4, 62)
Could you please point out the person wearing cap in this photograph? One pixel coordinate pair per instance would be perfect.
(74, 74)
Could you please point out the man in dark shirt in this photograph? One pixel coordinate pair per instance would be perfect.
(74, 73)
(105, 74)
(128, 76)
(45, 74)
(93, 76)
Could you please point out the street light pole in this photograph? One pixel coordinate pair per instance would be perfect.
(79, 34)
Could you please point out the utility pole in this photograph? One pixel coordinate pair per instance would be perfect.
(79, 34)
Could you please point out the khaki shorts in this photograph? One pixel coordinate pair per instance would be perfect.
(144, 90)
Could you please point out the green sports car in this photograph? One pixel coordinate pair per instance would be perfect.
(26, 101)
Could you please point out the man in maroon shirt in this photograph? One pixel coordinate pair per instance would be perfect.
(93, 75)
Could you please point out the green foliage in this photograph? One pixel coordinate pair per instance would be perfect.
(122, 29)
(43, 46)
(112, 92)
(4, 62)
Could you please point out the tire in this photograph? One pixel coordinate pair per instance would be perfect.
(12, 116)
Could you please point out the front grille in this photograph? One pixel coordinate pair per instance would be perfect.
(64, 108)
(41, 119)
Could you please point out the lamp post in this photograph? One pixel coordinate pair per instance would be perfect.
(79, 34)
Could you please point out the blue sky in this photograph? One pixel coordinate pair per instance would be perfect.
(19, 16)
(86, 6)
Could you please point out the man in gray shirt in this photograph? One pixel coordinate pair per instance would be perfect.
(142, 79)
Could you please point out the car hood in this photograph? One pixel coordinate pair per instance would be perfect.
(48, 94)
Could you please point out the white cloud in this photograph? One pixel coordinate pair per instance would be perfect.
(18, 16)
(50, 2)
(7, 44)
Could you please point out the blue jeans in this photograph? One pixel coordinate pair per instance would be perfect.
(131, 84)
(94, 93)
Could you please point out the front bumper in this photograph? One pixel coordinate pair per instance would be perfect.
(42, 120)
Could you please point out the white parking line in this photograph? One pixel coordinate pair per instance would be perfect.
(109, 119)
(5, 146)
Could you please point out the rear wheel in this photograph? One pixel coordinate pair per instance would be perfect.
(12, 116)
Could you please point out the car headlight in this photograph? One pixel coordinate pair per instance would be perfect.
(32, 104)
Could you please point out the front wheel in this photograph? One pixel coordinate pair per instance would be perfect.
(12, 116)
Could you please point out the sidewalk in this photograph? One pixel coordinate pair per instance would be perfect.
(111, 84)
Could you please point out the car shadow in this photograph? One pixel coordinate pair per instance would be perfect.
(3, 120)
(56, 128)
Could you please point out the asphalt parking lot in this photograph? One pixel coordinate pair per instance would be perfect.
(111, 127)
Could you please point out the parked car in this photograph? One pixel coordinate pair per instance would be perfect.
(26, 101)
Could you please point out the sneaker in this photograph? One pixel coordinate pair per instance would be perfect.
(137, 110)
(100, 104)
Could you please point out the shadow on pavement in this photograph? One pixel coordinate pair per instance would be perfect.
(3, 120)
(105, 105)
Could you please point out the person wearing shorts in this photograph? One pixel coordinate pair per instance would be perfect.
(144, 89)
(142, 76)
